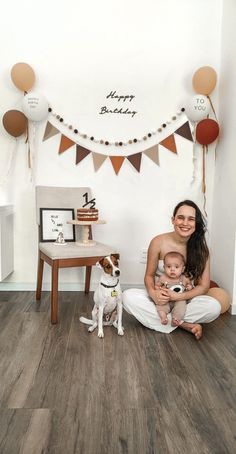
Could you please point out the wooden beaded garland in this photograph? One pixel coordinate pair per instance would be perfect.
(116, 143)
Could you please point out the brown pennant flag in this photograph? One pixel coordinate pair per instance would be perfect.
(65, 144)
(50, 131)
(117, 162)
(169, 143)
(98, 160)
(185, 131)
(135, 160)
(81, 153)
(153, 154)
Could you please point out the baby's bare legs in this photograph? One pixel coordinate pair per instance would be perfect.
(163, 317)
(178, 312)
(162, 312)
(175, 322)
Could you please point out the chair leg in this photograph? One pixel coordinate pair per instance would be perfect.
(87, 279)
(39, 277)
(54, 292)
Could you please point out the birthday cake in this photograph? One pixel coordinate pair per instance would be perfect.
(87, 214)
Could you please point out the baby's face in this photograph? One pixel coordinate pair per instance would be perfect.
(173, 267)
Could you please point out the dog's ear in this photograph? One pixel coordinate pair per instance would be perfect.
(116, 256)
(100, 264)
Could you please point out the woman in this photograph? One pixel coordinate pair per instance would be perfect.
(188, 238)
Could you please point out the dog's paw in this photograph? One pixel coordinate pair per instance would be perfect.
(101, 334)
(121, 331)
(90, 329)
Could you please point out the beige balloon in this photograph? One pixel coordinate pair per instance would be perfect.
(23, 76)
(204, 80)
(222, 296)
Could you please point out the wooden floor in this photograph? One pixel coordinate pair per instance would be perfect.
(64, 391)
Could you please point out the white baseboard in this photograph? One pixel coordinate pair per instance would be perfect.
(31, 287)
(63, 287)
(68, 287)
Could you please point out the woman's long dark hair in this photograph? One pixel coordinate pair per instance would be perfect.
(197, 249)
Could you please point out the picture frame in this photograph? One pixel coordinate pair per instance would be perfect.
(54, 220)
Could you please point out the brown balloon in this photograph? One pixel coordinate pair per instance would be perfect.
(207, 131)
(15, 122)
(23, 76)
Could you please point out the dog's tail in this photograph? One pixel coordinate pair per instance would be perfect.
(87, 321)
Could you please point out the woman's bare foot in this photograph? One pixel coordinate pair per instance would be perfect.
(163, 317)
(194, 328)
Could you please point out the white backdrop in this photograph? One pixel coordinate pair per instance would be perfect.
(80, 53)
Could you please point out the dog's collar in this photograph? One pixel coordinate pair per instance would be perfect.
(110, 286)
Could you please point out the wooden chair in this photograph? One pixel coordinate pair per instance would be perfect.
(70, 255)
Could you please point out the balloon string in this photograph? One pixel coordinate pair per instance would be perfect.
(204, 178)
(204, 204)
(216, 120)
(32, 147)
(203, 170)
(194, 154)
(215, 150)
(27, 132)
(194, 132)
(29, 158)
(27, 141)
(212, 107)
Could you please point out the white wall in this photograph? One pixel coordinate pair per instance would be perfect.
(80, 52)
(224, 214)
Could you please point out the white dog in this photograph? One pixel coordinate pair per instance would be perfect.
(107, 309)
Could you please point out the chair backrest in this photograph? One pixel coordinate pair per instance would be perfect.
(60, 197)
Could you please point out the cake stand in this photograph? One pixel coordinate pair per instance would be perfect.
(85, 231)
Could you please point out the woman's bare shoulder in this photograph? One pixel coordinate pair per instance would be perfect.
(159, 245)
(161, 239)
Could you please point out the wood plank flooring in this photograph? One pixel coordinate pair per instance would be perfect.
(65, 391)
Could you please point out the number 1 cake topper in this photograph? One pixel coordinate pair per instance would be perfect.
(91, 202)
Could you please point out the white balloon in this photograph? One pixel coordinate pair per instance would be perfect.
(35, 106)
(197, 108)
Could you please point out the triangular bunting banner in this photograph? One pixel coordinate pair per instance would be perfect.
(50, 131)
(98, 160)
(153, 154)
(65, 144)
(81, 153)
(117, 162)
(169, 143)
(185, 131)
(135, 160)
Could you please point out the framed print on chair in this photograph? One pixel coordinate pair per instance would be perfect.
(54, 220)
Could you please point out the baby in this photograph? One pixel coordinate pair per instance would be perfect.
(173, 279)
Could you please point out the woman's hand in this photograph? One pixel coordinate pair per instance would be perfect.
(160, 296)
(173, 296)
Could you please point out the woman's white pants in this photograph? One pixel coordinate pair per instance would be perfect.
(201, 309)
